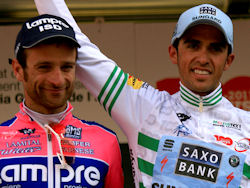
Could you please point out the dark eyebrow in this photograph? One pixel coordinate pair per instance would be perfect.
(185, 41)
(42, 63)
(220, 43)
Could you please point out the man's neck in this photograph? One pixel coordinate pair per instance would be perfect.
(46, 118)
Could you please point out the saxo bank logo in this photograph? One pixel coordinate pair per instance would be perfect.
(198, 162)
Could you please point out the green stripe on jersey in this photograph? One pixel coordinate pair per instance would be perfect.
(141, 185)
(109, 92)
(118, 93)
(246, 170)
(148, 142)
(107, 83)
(192, 99)
(112, 89)
(145, 166)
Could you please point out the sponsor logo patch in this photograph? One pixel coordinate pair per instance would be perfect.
(27, 131)
(234, 161)
(168, 145)
(182, 129)
(226, 140)
(183, 117)
(208, 10)
(242, 145)
(198, 162)
(73, 132)
(222, 124)
(134, 82)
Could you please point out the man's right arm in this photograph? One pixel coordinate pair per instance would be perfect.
(121, 95)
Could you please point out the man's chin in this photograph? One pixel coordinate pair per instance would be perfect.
(56, 104)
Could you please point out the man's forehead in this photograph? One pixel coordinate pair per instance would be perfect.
(204, 30)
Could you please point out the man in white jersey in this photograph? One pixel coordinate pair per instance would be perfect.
(194, 138)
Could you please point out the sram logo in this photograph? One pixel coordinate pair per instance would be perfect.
(36, 172)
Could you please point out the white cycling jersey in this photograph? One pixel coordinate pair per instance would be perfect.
(181, 140)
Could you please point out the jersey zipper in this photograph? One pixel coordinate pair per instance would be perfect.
(50, 160)
(201, 105)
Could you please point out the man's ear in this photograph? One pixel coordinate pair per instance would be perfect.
(18, 70)
(172, 54)
(229, 61)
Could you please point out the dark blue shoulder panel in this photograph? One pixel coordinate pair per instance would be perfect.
(8, 122)
(96, 124)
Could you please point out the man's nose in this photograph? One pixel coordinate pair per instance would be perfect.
(204, 56)
(56, 77)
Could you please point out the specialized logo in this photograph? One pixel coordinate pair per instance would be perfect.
(227, 125)
(198, 162)
(226, 140)
(242, 145)
(230, 177)
(134, 82)
(73, 132)
(208, 10)
(27, 131)
(164, 162)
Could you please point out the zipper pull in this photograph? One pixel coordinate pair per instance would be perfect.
(201, 106)
(49, 135)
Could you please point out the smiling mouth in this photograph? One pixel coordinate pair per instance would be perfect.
(55, 91)
(202, 72)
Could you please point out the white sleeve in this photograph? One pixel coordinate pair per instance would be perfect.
(127, 99)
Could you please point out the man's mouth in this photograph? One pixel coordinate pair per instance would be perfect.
(202, 72)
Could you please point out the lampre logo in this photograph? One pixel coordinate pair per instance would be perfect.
(198, 162)
(47, 24)
(18, 173)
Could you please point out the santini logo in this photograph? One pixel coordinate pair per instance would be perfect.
(198, 162)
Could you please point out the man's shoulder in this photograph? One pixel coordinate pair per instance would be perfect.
(8, 122)
(236, 112)
(97, 126)
(231, 106)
